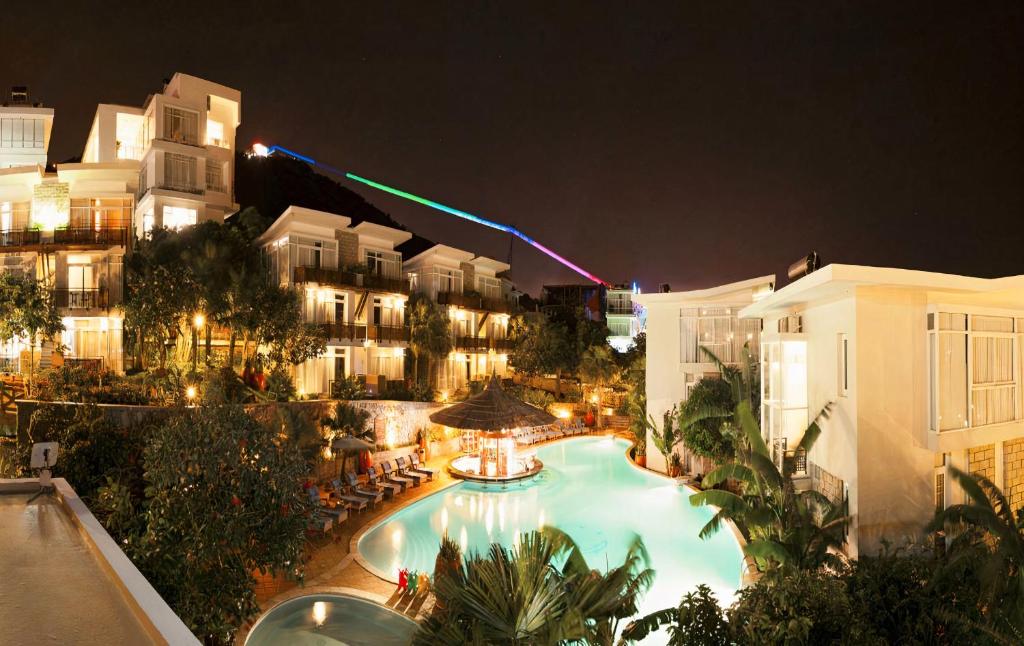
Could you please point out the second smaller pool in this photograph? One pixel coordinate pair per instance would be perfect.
(317, 619)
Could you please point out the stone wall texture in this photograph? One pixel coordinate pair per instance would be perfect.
(981, 460)
(1013, 472)
(348, 248)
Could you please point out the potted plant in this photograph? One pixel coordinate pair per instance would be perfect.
(640, 452)
(675, 465)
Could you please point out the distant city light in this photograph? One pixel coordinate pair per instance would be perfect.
(259, 150)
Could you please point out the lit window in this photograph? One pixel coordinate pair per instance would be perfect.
(178, 217)
(147, 224)
(215, 133)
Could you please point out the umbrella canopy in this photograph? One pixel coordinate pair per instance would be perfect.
(491, 410)
(349, 443)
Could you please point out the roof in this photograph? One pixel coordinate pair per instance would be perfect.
(489, 263)
(71, 582)
(744, 290)
(458, 255)
(835, 280)
(491, 410)
(302, 215)
(414, 247)
(395, 236)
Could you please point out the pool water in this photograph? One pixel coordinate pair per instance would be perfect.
(335, 619)
(588, 489)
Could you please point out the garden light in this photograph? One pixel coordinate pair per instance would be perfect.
(190, 392)
(199, 320)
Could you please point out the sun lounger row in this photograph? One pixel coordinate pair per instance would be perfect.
(551, 432)
(385, 480)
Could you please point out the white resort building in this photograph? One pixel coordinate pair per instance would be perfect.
(624, 317)
(71, 228)
(678, 324)
(352, 284)
(924, 371)
(478, 299)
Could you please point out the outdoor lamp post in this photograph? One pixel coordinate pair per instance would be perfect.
(198, 321)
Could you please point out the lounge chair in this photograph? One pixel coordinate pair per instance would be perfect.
(355, 503)
(373, 494)
(404, 470)
(335, 513)
(411, 468)
(385, 467)
(415, 459)
(389, 488)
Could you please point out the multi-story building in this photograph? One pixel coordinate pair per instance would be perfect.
(678, 325)
(24, 130)
(352, 284)
(567, 300)
(923, 372)
(478, 299)
(71, 228)
(183, 144)
(624, 317)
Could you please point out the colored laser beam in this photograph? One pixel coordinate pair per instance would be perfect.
(264, 151)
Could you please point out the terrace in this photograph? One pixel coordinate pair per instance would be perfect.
(474, 302)
(79, 237)
(350, 279)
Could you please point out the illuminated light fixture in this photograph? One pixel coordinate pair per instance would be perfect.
(434, 205)
(199, 320)
(190, 392)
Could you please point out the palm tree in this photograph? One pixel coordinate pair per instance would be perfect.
(598, 367)
(786, 527)
(665, 439)
(993, 545)
(429, 333)
(540, 592)
(349, 421)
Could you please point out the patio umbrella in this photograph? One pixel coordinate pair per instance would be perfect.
(491, 410)
(347, 444)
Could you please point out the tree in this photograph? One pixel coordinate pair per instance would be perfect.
(542, 347)
(702, 433)
(27, 311)
(224, 501)
(787, 528)
(698, 621)
(429, 334)
(666, 438)
(541, 592)
(598, 367)
(990, 536)
(349, 421)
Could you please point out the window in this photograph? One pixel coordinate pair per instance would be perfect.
(215, 133)
(17, 132)
(446, 280)
(147, 223)
(180, 172)
(215, 176)
(383, 263)
(181, 125)
(719, 330)
(784, 390)
(6, 217)
(844, 365)
(488, 287)
(178, 217)
(974, 372)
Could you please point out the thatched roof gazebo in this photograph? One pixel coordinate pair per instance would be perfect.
(492, 410)
(493, 415)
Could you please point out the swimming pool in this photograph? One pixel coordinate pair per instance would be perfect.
(588, 489)
(318, 619)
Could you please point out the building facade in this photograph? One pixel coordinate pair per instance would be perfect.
(352, 285)
(478, 300)
(625, 318)
(678, 325)
(71, 228)
(923, 371)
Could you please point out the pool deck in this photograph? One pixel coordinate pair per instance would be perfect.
(334, 564)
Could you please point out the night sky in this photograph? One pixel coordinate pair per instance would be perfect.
(689, 144)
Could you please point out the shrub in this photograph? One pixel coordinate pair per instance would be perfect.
(280, 385)
(348, 388)
(704, 437)
(224, 386)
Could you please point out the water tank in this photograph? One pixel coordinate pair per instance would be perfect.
(804, 266)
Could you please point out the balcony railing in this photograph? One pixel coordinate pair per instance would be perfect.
(626, 310)
(20, 237)
(80, 299)
(91, 235)
(503, 345)
(472, 344)
(179, 187)
(364, 332)
(474, 302)
(339, 278)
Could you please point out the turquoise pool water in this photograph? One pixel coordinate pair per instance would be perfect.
(587, 489)
(319, 619)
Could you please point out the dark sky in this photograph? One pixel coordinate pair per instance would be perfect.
(682, 143)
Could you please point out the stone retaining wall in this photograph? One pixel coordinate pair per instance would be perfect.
(1013, 472)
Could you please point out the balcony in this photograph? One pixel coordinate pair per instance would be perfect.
(364, 332)
(620, 309)
(20, 238)
(102, 236)
(80, 299)
(339, 278)
(504, 345)
(474, 302)
(180, 187)
(472, 344)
